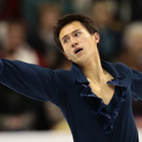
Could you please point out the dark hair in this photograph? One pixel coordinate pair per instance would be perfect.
(86, 21)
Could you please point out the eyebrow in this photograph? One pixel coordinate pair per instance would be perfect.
(71, 33)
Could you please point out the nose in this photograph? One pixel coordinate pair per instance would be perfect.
(74, 42)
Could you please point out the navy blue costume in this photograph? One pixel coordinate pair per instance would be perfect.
(90, 120)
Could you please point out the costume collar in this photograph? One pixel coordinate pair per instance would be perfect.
(110, 67)
(80, 77)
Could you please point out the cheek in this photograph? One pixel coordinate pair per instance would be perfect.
(64, 48)
(66, 52)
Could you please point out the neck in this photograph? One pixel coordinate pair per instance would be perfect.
(93, 71)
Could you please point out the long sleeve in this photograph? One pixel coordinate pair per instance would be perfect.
(136, 84)
(32, 80)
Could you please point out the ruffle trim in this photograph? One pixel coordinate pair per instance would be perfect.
(101, 108)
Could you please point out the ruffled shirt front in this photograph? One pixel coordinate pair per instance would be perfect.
(110, 111)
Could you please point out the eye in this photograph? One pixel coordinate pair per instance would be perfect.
(77, 34)
(66, 40)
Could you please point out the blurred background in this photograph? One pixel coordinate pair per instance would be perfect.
(26, 34)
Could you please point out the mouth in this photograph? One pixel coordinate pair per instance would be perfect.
(77, 50)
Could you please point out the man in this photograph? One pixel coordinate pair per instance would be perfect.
(94, 96)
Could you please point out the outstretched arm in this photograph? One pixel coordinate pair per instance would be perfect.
(32, 80)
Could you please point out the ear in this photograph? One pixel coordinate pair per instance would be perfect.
(66, 55)
(96, 37)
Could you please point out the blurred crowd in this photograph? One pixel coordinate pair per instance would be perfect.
(26, 34)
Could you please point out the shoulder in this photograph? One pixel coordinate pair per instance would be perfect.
(65, 74)
(62, 72)
(123, 69)
(117, 68)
